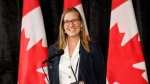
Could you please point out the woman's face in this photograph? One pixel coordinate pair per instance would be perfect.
(72, 24)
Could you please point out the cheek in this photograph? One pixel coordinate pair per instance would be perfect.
(65, 27)
(79, 27)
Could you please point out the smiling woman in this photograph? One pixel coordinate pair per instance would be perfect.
(72, 24)
(82, 61)
(97, 13)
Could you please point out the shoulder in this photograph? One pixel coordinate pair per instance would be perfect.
(94, 45)
(51, 46)
(95, 48)
(51, 49)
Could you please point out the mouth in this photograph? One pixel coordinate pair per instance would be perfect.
(72, 29)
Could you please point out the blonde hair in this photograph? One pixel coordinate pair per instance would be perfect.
(62, 42)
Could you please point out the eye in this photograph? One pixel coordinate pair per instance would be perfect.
(66, 21)
(73, 20)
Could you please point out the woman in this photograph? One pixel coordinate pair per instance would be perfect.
(82, 60)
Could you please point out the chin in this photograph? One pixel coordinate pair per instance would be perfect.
(73, 35)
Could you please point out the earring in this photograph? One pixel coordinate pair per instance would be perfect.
(81, 29)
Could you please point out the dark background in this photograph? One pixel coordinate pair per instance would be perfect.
(97, 13)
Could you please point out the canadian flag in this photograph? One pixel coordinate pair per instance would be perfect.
(33, 45)
(78, 5)
(125, 64)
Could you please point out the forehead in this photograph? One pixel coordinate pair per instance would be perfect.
(71, 15)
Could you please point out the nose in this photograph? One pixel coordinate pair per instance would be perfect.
(71, 24)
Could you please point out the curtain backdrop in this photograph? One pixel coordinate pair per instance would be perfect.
(97, 13)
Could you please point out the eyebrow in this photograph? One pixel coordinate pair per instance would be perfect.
(72, 19)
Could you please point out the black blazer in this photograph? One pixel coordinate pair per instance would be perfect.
(91, 66)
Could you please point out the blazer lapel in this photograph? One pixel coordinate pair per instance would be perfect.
(83, 55)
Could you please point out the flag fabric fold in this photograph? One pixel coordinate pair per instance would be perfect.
(33, 45)
(125, 64)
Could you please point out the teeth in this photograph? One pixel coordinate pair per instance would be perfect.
(72, 29)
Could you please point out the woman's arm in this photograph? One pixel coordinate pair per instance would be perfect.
(98, 64)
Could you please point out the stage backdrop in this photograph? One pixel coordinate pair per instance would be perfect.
(97, 14)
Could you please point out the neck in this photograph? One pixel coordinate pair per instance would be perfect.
(73, 40)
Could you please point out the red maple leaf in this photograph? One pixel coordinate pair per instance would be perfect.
(30, 60)
(121, 59)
